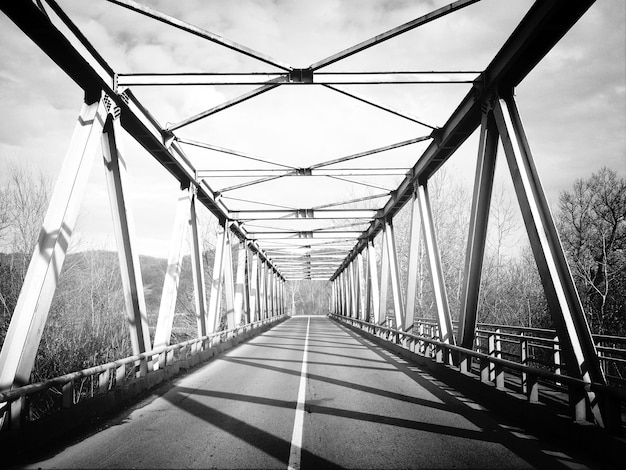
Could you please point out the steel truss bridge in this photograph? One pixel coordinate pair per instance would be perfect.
(333, 241)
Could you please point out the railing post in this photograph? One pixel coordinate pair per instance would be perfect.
(103, 381)
(17, 410)
(556, 357)
(499, 370)
(68, 394)
(577, 403)
(120, 375)
(532, 388)
(491, 350)
(524, 362)
(485, 370)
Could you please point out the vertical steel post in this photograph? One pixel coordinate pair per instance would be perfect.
(479, 216)
(255, 308)
(398, 304)
(266, 290)
(563, 300)
(384, 279)
(436, 272)
(240, 284)
(216, 281)
(169, 294)
(374, 293)
(342, 287)
(197, 269)
(353, 294)
(360, 286)
(31, 311)
(247, 318)
(115, 170)
(413, 268)
(229, 284)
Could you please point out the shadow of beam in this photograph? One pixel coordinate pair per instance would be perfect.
(270, 444)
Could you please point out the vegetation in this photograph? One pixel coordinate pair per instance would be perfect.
(86, 323)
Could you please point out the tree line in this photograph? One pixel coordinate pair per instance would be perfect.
(86, 324)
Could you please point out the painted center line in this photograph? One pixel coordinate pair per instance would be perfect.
(298, 424)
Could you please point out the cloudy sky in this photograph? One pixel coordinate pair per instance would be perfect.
(573, 104)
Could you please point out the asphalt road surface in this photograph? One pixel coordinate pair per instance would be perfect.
(309, 393)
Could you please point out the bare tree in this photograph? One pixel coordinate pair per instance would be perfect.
(28, 194)
(592, 223)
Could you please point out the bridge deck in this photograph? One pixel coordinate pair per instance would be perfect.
(364, 408)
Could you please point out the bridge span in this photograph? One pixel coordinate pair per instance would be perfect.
(372, 385)
(362, 407)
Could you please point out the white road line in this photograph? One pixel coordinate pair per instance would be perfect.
(298, 424)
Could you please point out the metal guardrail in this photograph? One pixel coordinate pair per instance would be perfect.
(102, 379)
(537, 346)
(492, 369)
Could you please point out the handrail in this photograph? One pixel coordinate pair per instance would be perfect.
(573, 381)
(29, 389)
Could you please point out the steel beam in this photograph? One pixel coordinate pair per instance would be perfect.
(413, 266)
(132, 283)
(567, 312)
(436, 271)
(303, 214)
(259, 78)
(254, 288)
(227, 104)
(31, 311)
(229, 283)
(381, 107)
(479, 216)
(202, 33)
(197, 269)
(240, 285)
(384, 279)
(394, 271)
(228, 151)
(433, 15)
(361, 287)
(169, 294)
(366, 153)
(304, 172)
(216, 281)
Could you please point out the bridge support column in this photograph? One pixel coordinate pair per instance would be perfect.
(115, 170)
(436, 271)
(354, 307)
(373, 293)
(413, 267)
(229, 284)
(384, 280)
(169, 293)
(197, 268)
(254, 288)
(479, 216)
(264, 290)
(361, 287)
(31, 312)
(216, 281)
(240, 279)
(565, 306)
(392, 257)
